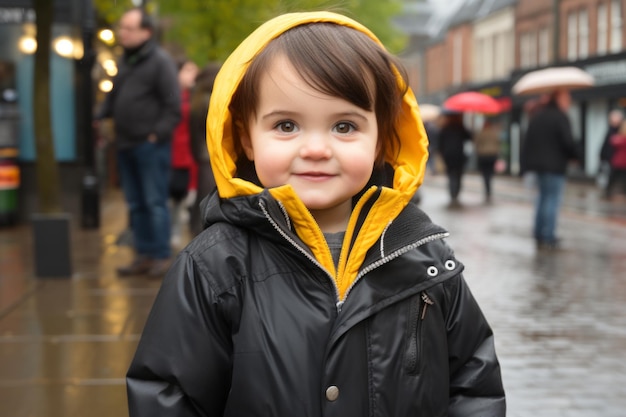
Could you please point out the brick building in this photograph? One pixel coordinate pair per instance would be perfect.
(487, 45)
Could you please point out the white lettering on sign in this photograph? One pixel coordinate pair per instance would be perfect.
(16, 15)
(606, 73)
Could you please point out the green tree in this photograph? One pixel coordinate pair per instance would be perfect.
(209, 30)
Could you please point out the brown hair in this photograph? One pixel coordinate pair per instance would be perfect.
(336, 60)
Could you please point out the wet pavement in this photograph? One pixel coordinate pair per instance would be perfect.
(65, 344)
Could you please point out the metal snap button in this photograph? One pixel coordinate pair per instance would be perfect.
(432, 271)
(332, 393)
(450, 264)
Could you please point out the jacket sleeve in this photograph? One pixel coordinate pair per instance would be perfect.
(169, 94)
(183, 360)
(475, 382)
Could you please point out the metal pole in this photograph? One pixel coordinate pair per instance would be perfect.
(90, 191)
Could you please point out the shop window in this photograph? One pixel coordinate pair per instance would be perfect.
(616, 26)
(603, 34)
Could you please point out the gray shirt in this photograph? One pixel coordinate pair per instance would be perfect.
(335, 240)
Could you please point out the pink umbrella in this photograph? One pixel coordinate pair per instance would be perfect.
(472, 101)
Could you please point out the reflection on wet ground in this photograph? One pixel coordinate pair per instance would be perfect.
(558, 316)
(65, 344)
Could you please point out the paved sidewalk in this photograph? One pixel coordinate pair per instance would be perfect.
(580, 197)
(65, 344)
(558, 316)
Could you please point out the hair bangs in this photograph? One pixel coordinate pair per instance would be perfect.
(340, 71)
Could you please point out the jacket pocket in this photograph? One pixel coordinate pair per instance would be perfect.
(417, 314)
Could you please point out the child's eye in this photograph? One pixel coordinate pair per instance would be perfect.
(286, 127)
(344, 128)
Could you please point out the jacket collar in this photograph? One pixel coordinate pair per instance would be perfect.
(136, 55)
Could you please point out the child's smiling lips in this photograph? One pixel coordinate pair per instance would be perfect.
(314, 175)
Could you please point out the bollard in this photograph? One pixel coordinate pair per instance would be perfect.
(90, 202)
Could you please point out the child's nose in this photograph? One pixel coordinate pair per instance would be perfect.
(316, 145)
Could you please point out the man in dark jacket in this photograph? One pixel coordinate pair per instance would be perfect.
(451, 145)
(145, 107)
(547, 149)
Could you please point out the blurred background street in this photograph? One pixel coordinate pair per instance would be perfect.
(558, 316)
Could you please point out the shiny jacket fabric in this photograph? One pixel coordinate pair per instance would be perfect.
(247, 323)
(255, 319)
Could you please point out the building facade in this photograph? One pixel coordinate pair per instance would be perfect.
(489, 44)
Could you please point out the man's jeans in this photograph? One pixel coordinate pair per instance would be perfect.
(550, 187)
(144, 172)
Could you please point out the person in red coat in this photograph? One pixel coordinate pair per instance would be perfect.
(183, 181)
(618, 161)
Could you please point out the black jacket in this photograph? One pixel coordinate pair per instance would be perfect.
(247, 324)
(606, 151)
(145, 98)
(256, 319)
(451, 142)
(549, 144)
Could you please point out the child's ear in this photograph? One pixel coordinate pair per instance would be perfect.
(246, 142)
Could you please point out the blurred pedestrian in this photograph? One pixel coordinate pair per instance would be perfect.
(145, 107)
(618, 161)
(452, 140)
(200, 97)
(316, 287)
(487, 148)
(183, 180)
(432, 131)
(606, 152)
(547, 150)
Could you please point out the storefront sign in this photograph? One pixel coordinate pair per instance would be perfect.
(9, 177)
(16, 15)
(607, 73)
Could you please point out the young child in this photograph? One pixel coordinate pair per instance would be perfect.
(316, 288)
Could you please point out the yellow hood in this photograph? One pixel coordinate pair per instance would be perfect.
(409, 165)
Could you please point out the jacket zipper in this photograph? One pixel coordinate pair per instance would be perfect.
(427, 302)
(369, 268)
(394, 255)
(301, 250)
(416, 316)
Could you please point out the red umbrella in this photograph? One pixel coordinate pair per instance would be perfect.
(472, 101)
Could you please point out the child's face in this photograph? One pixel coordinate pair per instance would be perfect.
(323, 146)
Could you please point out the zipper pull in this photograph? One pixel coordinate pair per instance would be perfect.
(427, 302)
